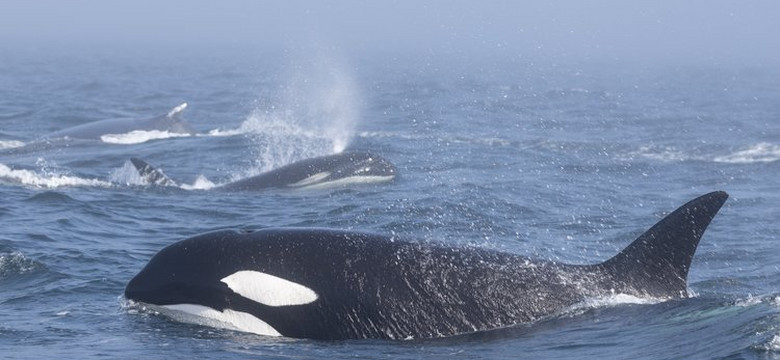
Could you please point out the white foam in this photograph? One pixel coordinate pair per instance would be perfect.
(139, 136)
(269, 289)
(758, 153)
(226, 319)
(762, 152)
(10, 144)
(749, 301)
(774, 344)
(619, 299)
(662, 153)
(225, 133)
(127, 175)
(15, 262)
(611, 300)
(201, 183)
(46, 179)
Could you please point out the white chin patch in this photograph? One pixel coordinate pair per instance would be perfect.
(268, 289)
(227, 319)
(311, 179)
(359, 179)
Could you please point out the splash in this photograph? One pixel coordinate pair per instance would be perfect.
(127, 175)
(618, 299)
(201, 183)
(139, 136)
(16, 263)
(46, 178)
(774, 344)
(315, 115)
(611, 300)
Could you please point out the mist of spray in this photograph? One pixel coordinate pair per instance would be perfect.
(315, 114)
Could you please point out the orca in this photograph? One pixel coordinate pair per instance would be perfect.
(170, 122)
(345, 167)
(333, 284)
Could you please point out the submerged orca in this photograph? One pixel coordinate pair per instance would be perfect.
(331, 284)
(331, 169)
(170, 122)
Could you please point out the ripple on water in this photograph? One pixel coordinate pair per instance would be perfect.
(51, 197)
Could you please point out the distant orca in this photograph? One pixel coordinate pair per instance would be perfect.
(331, 284)
(331, 169)
(170, 122)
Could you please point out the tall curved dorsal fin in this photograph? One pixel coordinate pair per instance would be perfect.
(177, 110)
(657, 262)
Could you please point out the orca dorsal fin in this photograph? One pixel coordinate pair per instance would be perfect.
(175, 112)
(151, 174)
(656, 264)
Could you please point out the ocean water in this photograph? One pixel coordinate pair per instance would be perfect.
(562, 161)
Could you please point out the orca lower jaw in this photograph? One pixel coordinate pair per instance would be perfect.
(205, 316)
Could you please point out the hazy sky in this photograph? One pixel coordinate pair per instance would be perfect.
(707, 31)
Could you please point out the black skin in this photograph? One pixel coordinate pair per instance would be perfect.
(337, 166)
(374, 286)
(346, 164)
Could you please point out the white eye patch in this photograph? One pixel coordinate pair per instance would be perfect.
(268, 289)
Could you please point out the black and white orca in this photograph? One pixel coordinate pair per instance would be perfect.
(341, 168)
(332, 284)
(170, 122)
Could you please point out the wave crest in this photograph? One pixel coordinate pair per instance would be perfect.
(758, 153)
(46, 179)
(139, 136)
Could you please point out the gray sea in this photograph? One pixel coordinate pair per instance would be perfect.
(561, 161)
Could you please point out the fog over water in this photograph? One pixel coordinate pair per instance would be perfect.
(693, 32)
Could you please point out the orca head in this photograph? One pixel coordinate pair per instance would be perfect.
(212, 279)
(182, 273)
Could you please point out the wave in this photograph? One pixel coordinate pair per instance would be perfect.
(657, 153)
(768, 336)
(774, 344)
(139, 136)
(762, 152)
(610, 301)
(10, 144)
(758, 153)
(46, 179)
